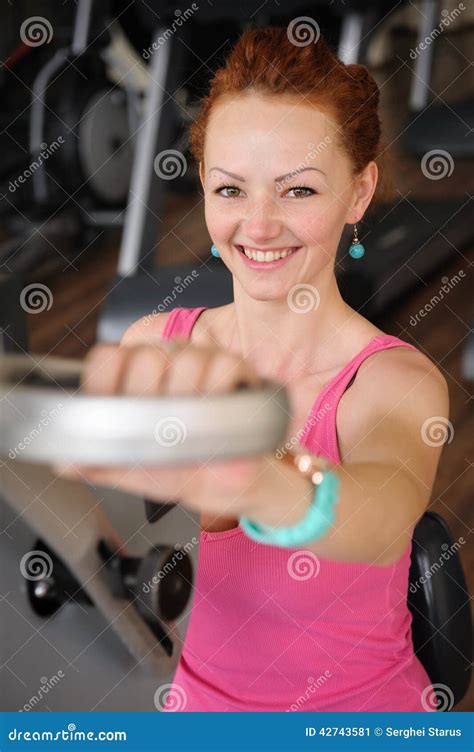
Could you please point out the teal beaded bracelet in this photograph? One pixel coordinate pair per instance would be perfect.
(319, 517)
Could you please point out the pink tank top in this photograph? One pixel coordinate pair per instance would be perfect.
(275, 629)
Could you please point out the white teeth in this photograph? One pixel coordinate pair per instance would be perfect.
(268, 255)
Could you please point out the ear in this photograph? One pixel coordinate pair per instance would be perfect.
(201, 173)
(364, 188)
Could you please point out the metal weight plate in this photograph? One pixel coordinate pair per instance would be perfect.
(45, 418)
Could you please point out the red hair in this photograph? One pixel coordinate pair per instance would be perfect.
(265, 61)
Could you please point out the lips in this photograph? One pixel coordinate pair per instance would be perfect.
(267, 265)
(250, 249)
(258, 251)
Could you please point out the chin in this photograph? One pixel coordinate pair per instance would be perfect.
(267, 296)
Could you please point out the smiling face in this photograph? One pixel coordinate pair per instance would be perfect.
(276, 178)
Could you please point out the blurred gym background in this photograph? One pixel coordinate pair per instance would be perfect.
(94, 232)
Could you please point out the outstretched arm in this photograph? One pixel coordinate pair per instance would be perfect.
(387, 478)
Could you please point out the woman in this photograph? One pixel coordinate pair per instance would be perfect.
(288, 145)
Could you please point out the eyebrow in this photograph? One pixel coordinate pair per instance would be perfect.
(277, 180)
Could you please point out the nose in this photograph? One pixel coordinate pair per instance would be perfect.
(263, 223)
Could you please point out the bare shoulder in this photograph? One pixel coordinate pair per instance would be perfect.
(399, 386)
(145, 329)
(211, 326)
(206, 331)
(398, 369)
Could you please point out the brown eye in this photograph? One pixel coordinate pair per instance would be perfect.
(226, 188)
(303, 188)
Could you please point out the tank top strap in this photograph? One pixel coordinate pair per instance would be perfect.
(320, 432)
(180, 322)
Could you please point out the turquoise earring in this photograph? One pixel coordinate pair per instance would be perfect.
(356, 250)
(214, 251)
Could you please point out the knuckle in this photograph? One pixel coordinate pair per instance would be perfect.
(188, 369)
(145, 366)
(226, 372)
(101, 368)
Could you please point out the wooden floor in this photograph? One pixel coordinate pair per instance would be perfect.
(69, 328)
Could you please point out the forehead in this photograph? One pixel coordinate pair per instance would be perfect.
(257, 127)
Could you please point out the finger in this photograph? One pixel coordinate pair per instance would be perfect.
(146, 371)
(103, 366)
(163, 484)
(226, 372)
(188, 370)
(205, 369)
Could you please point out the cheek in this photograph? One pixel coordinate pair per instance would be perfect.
(219, 222)
(319, 228)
